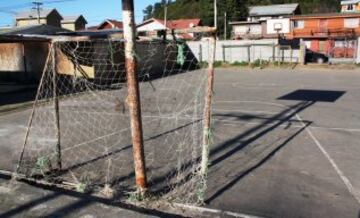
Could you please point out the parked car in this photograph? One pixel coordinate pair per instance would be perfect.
(315, 57)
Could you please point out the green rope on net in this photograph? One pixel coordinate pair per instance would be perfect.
(41, 162)
(180, 54)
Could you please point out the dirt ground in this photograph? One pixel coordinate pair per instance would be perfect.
(286, 142)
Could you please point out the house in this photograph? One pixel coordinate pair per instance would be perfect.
(46, 16)
(110, 24)
(74, 23)
(332, 34)
(350, 6)
(154, 28)
(268, 21)
(33, 30)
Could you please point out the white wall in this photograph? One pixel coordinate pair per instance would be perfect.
(247, 29)
(153, 26)
(259, 49)
(283, 22)
(358, 52)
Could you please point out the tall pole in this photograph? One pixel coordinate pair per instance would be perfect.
(37, 6)
(165, 20)
(207, 108)
(215, 14)
(165, 15)
(56, 107)
(225, 26)
(133, 98)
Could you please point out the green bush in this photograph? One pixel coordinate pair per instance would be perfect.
(260, 63)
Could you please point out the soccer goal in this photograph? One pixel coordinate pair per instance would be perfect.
(80, 128)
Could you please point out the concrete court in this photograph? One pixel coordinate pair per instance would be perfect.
(296, 157)
(291, 157)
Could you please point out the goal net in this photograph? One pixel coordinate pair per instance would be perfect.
(79, 130)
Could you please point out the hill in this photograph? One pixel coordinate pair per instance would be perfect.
(235, 9)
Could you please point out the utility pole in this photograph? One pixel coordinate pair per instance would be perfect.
(165, 15)
(225, 26)
(165, 20)
(133, 98)
(215, 14)
(37, 7)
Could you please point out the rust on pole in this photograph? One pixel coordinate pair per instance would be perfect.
(207, 108)
(133, 98)
(33, 109)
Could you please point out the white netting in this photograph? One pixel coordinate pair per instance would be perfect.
(94, 123)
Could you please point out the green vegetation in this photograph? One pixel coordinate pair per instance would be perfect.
(235, 9)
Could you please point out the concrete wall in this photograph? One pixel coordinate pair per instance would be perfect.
(27, 22)
(358, 52)
(273, 24)
(22, 62)
(244, 51)
(69, 26)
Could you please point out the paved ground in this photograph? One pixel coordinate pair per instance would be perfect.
(271, 164)
(274, 154)
(18, 199)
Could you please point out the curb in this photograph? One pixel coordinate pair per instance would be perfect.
(15, 107)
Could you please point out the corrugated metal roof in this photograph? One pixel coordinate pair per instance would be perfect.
(71, 19)
(33, 30)
(347, 2)
(279, 9)
(33, 14)
(326, 15)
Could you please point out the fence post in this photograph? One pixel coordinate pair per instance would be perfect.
(207, 108)
(249, 54)
(56, 107)
(133, 98)
(224, 53)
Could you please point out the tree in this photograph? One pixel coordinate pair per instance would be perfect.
(148, 12)
(236, 9)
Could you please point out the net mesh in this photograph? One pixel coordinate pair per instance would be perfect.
(87, 140)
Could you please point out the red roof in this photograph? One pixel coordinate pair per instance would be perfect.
(180, 24)
(114, 24)
(175, 24)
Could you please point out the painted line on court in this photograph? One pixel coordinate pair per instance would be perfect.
(346, 181)
(213, 212)
(245, 123)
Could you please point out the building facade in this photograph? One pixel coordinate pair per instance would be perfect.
(74, 23)
(334, 35)
(271, 21)
(350, 6)
(153, 28)
(46, 16)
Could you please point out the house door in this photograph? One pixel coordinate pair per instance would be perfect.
(323, 25)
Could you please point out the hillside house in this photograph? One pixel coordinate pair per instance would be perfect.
(74, 23)
(47, 16)
(154, 28)
(350, 6)
(268, 21)
(332, 34)
(110, 24)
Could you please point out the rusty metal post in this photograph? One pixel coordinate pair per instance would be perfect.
(133, 98)
(56, 107)
(33, 109)
(207, 109)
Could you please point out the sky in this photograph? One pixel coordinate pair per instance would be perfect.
(95, 11)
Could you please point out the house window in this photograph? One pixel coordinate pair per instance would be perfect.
(299, 24)
(351, 22)
(350, 7)
(278, 27)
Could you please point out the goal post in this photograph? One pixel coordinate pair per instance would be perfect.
(130, 118)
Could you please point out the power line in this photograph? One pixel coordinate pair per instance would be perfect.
(37, 7)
